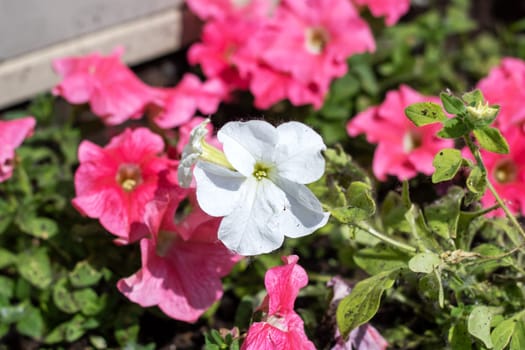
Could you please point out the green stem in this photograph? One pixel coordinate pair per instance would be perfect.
(475, 152)
(386, 239)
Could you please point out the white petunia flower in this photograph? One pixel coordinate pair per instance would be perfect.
(260, 190)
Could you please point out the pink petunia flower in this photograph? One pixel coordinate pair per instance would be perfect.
(12, 134)
(507, 173)
(220, 9)
(182, 262)
(281, 328)
(364, 337)
(403, 149)
(115, 183)
(504, 86)
(311, 40)
(175, 106)
(221, 39)
(392, 10)
(113, 91)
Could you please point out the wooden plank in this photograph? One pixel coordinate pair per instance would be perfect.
(144, 39)
(28, 25)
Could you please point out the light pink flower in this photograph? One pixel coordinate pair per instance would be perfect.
(504, 86)
(175, 106)
(403, 149)
(281, 328)
(364, 337)
(392, 10)
(182, 262)
(12, 134)
(115, 183)
(507, 173)
(113, 91)
(311, 40)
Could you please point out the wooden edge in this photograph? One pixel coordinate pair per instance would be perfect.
(144, 39)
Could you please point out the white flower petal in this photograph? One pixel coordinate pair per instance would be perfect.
(253, 227)
(191, 153)
(245, 143)
(217, 188)
(304, 214)
(298, 153)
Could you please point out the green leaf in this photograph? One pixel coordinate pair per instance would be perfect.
(360, 204)
(7, 287)
(98, 342)
(451, 103)
(362, 303)
(43, 228)
(12, 313)
(425, 240)
(492, 140)
(84, 275)
(6, 258)
(453, 128)
(32, 323)
(459, 337)
(474, 97)
(425, 113)
(502, 333)
(424, 262)
(518, 337)
(479, 324)
(36, 268)
(476, 181)
(63, 298)
(89, 302)
(447, 163)
(443, 215)
(380, 258)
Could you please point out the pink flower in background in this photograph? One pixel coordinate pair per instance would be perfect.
(182, 262)
(115, 183)
(504, 86)
(113, 91)
(311, 40)
(12, 134)
(175, 106)
(403, 149)
(221, 39)
(281, 328)
(220, 9)
(364, 337)
(392, 10)
(507, 173)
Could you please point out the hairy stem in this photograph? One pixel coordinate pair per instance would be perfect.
(369, 229)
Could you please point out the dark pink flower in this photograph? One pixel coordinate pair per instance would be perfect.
(392, 10)
(220, 9)
(504, 86)
(175, 106)
(507, 173)
(115, 183)
(311, 40)
(12, 134)
(281, 328)
(364, 337)
(221, 39)
(403, 149)
(113, 91)
(182, 262)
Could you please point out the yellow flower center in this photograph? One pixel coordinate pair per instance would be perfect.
(261, 171)
(129, 176)
(505, 171)
(316, 40)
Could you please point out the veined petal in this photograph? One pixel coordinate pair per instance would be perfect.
(298, 154)
(217, 188)
(253, 226)
(246, 143)
(303, 214)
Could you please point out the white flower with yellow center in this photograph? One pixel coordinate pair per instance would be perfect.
(260, 190)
